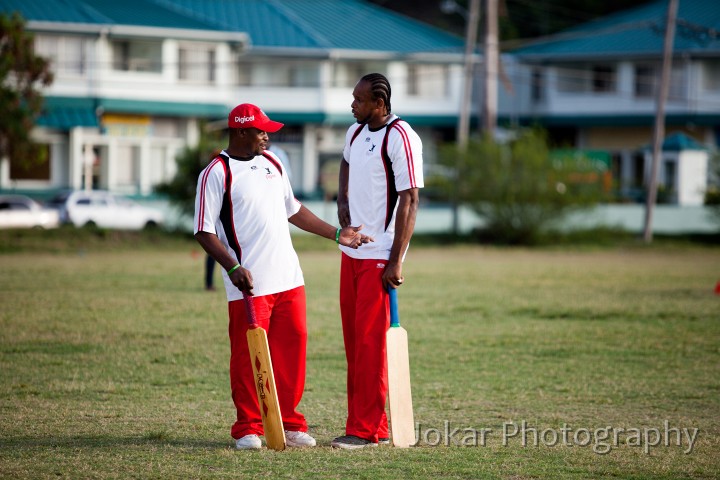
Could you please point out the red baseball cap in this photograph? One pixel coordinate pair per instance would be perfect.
(247, 115)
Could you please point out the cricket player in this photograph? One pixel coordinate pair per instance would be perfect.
(380, 175)
(243, 205)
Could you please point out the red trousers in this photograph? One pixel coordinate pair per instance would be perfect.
(365, 311)
(282, 315)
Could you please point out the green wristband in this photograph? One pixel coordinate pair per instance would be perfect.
(337, 236)
(229, 272)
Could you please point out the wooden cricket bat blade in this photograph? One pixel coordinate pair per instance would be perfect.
(402, 423)
(265, 388)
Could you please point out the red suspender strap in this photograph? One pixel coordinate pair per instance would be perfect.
(392, 194)
(226, 211)
(273, 161)
(356, 133)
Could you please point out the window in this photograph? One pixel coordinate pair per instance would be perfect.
(572, 79)
(603, 78)
(347, 74)
(196, 63)
(427, 80)
(669, 174)
(137, 56)
(280, 74)
(645, 80)
(31, 169)
(678, 85)
(711, 75)
(14, 205)
(537, 87)
(582, 78)
(67, 54)
(127, 167)
(306, 75)
(638, 170)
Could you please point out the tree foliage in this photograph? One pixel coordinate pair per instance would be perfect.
(517, 187)
(190, 162)
(22, 74)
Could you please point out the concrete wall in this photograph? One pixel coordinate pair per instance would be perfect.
(668, 219)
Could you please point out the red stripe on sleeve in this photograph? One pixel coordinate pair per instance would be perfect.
(201, 216)
(408, 154)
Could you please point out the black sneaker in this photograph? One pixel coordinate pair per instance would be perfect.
(384, 441)
(351, 442)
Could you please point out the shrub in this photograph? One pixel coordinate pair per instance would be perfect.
(516, 187)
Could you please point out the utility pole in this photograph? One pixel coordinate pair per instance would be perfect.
(463, 129)
(491, 64)
(659, 132)
(466, 100)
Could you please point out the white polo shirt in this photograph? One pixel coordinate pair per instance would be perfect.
(374, 181)
(252, 223)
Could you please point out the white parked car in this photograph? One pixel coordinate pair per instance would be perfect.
(105, 210)
(21, 211)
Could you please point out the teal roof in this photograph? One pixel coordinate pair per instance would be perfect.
(64, 113)
(677, 142)
(635, 32)
(144, 13)
(180, 109)
(305, 24)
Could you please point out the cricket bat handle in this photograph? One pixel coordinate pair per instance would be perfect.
(250, 309)
(394, 315)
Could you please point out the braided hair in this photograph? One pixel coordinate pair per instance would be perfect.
(380, 87)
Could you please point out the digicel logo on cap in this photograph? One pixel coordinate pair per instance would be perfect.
(245, 119)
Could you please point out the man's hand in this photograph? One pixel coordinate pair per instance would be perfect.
(242, 279)
(392, 276)
(350, 237)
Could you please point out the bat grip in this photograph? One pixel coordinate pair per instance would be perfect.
(394, 315)
(250, 309)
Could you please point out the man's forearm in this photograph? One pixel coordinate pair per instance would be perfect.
(404, 223)
(212, 246)
(304, 219)
(342, 200)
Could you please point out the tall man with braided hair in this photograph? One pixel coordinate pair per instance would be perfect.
(380, 174)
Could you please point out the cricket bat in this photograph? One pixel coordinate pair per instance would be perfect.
(402, 424)
(264, 380)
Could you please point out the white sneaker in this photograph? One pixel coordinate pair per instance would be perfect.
(248, 442)
(299, 439)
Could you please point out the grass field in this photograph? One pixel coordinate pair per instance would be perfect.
(113, 364)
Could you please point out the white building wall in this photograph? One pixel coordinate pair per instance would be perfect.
(690, 92)
(692, 177)
(134, 162)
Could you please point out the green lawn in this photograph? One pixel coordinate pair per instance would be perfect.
(113, 364)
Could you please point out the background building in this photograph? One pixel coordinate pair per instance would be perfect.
(594, 87)
(133, 82)
(134, 79)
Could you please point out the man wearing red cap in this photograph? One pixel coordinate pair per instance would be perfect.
(243, 205)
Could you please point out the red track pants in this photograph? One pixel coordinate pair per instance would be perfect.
(365, 311)
(282, 315)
